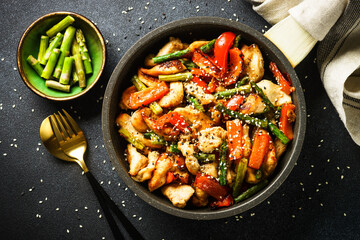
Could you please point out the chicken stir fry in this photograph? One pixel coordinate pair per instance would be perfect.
(203, 126)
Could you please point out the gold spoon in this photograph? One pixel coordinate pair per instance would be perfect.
(64, 139)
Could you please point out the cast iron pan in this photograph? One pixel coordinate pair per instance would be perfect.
(188, 30)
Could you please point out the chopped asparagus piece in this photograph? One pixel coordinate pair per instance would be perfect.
(171, 56)
(251, 191)
(205, 157)
(60, 26)
(196, 104)
(208, 47)
(54, 44)
(35, 64)
(66, 70)
(79, 66)
(223, 163)
(44, 43)
(231, 92)
(262, 94)
(240, 175)
(58, 86)
(50, 65)
(80, 38)
(137, 144)
(176, 77)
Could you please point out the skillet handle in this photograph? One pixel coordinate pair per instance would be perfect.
(97, 190)
(132, 231)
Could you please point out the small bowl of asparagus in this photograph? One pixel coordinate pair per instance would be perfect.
(61, 56)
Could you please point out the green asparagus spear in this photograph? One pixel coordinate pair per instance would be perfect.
(75, 78)
(278, 133)
(196, 104)
(250, 120)
(205, 157)
(240, 175)
(80, 38)
(223, 163)
(154, 106)
(66, 70)
(237, 41)
(50, 65)
(188, 63)
(54, 44)
(176, 77)
(155, 139)
(65, 49)
(79, 67)
(231, 92)
(44, 43)
(60, 26)
(58, 86)
(75, 48)
(242, 82)
(262, 94)
(35, 64)
(171, 56)
(136, 143)
(208, 47)
(251, 191)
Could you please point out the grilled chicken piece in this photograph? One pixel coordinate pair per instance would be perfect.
(146, 173)
(187, 149)
(162, 166)
(136, 160)
(254, 62)
(148, 80)
(279, 148)
(210, 169)
(173, 45)
(211, 138)
(179, 195)
(193, 89)
(198, 119)
(253, 104)
(174, 97)
(125, 98)
(165, 68)
(246, 141)
(124, 120)
(200, 198)
(274, 93)
(137, 120)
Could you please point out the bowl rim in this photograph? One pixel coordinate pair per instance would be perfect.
(32, 25)
(247, 204)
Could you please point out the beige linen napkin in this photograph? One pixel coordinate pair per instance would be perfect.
(337, 27)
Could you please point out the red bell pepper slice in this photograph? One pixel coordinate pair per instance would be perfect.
(287, 117)
(211, 186)
(148, 95)
(235, 102)
(201, 74)
(234, 139)
(178, 121)
(236, 66)
(259, 149)
(282, 81)
(169, 177)
(213, 84)
(226, 202)
(221, 49)
(206, 63)
(201, 84)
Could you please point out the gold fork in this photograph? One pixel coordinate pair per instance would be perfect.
(72, 142)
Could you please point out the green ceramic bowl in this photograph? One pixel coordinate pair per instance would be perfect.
(29, 44)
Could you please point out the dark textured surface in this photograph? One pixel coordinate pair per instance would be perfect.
(45, 198)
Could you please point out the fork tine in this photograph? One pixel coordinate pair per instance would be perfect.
(55, 128)
(66, 124)
(62, 128)
(72, 122)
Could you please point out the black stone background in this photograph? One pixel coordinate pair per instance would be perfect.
(44, 198)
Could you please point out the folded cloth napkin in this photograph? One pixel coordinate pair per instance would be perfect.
(337, 27)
